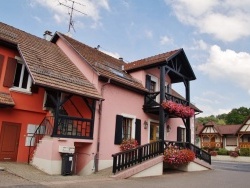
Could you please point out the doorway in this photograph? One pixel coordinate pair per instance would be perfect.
(9, 140)
(154, 132)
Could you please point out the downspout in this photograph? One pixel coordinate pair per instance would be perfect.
(99, 127)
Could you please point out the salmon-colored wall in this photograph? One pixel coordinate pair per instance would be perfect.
(118, 101)
(84, 67)
(28, 108)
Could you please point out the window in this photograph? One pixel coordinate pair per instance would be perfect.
(17, 76)
(231, 141)
(126, 128)
(152, 86)
(181, 134)
(22, 78)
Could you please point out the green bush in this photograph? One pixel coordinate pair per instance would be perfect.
(222, 151)
(244, 151)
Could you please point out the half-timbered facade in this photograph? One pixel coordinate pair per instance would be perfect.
(230, 137)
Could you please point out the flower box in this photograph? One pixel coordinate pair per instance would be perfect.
(178, 109)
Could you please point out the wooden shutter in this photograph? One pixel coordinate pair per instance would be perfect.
(34, 88)
(138, 131)
(118, 130)
(148, 81)
(1, 64)
(10, 72)
(179, 134)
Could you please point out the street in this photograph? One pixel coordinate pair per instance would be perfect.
(225, 174)
(235, 166)
(204, 179)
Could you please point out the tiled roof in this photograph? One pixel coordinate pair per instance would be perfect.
(151, 60)
(105, 65)
(48, 65)
(6, 99)
(198, 128)
(223, 129)
(228, 129)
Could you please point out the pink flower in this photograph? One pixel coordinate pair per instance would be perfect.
(178, 109)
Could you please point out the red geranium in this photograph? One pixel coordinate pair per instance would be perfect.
(178, 109)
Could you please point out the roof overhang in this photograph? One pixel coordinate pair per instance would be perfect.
(6, 100)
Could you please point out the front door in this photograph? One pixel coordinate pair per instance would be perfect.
(154, 132)
(9, 139)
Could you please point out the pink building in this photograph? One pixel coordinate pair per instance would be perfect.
(109, 101)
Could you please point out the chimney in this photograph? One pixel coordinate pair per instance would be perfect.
(47, 35)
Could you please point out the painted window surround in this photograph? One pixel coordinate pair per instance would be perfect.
(26, 90)
(133, 123)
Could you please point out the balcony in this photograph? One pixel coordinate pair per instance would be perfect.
(244, 144)
(152, 102)
(212, 145)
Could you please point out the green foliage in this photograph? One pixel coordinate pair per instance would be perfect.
(244, 151)
(222, 151)
(235, 116)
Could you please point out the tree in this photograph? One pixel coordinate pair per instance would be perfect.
(237, 115)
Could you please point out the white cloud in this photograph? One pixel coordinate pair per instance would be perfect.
(226, 20)
(87, 8)
(199, 45)
(165, 40)
(37, 19)
(228, 65)
(149, 34)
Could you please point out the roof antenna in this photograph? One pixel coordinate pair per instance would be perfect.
(71, 22)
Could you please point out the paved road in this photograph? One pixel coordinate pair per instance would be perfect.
(204, 179)
(235, 166)
(10, 180)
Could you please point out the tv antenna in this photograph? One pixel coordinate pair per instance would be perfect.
(71, 9)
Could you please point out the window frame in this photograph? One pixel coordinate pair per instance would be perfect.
(19, 88)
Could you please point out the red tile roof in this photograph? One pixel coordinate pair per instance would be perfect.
(151, 60)
(6, 99)
(105, 65)
(222, 129)
(48, 65)
(228, 129)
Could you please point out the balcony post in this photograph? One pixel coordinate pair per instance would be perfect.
(188, 130)
(161, 109)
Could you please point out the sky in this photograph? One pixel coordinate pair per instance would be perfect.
(215, 35)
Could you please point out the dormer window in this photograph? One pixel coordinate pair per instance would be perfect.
(17, 77)
(22, 78)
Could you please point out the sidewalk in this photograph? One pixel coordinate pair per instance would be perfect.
(30, 173)
(232, 159)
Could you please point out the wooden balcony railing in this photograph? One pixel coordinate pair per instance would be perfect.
(212, 144)
(152, 100)
(244, 144)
